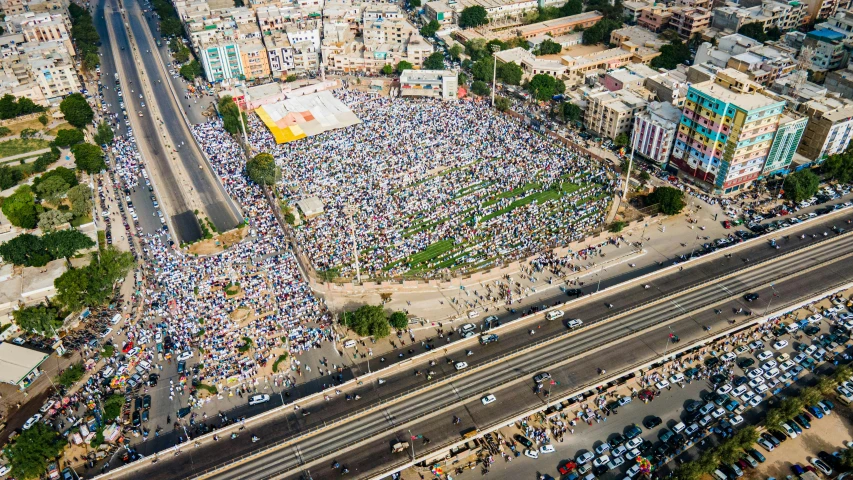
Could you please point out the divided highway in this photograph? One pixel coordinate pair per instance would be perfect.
(630, 337)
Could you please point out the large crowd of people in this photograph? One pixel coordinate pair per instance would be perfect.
(435, 186)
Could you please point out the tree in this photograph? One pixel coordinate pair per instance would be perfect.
(20, 208)
(754, 30)
(847, 458)
(191, 70)
(415, 3)
(34, 449)
(43, 119)
(11, 107)
(76, 110)
(549, 47)
(290, 78)
(571, 112)
(28, 133)
(105, 134)
(616, 226)
(66, 174)
(26, 250)
(430, 28)
(263, 170)
(41, 319)
(572, 7)
(622, 140)
(670, 200)
(71, 375)
(88, 157)
(600, 32)
(67, 137)
(842, 373)
(9, 177)
(839, 167)
(231, 115)
(473, 17)
(502, 104)
(368, 320)
(434, 62)
(404, 65)
(746, 437)
(510, 73)
(66, 243)
(455, 52)
(399, 320)
(774, 419)
(672, 55)
(80, 197)
(483, 69)
(480, 88)
(811, 395)
(112, 406)
(52, 189)
(92, 285)
(543, 86)
(387, 69)
(5, 131)
(824, 386)
(50, 220)
(462, 79)
(800, 185)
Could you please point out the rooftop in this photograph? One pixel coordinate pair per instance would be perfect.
(746, 101)
(826, 35)
(17, 362)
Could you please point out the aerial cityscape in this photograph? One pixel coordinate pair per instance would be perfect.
(447, 239)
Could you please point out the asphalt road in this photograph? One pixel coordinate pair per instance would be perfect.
(372, 425)
(175, 204)
(218, 205)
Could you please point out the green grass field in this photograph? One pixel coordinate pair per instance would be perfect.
(18, 146)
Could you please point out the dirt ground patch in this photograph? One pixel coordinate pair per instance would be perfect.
(828, 434)
(219, 242)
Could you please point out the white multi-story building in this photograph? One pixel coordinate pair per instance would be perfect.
(654, 131)
(830, 127)
(442, 84)
(280, 53)
(304, 32)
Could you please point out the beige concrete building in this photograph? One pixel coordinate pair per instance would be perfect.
(556, 27)
(579, 66)
(689, 21)
(256, 62)
(440, 12)
(610, 113)
(830, 127)
(655, 18)
(497, 10)
(442, 84)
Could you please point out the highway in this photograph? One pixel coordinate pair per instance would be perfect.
(220, 208)
(621, 343)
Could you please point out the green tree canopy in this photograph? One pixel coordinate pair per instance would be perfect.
(367, 320)
(88, 157)
(71, 375)
(68, 137)
(231, 115)
(9, 177)
(430, 28)
(11, 107)
(800, 185)
(543, 87)
(34, 448)
(473, 17)
(572, 7)
(622, 140)
(480, 88)
(404, 65)
(434, 61)
(510, 73)
(672, 55)
(66, 174)
(482, 70)
(76, 110)
(387, 69)
(502, 104)
(455, 51)
(263, 170)
(191, 70)
(41, 319)
(50, 220)
(600, 32)
(670, 200)
(104, 135)
(52, 189)
(549, 47)
(66, 243)
(26, 249)
(92, 285)
(20, 208)
(754, 30)
(112, 406)
(399, 320)
(839, 167)
(571, 112)
(80, 197)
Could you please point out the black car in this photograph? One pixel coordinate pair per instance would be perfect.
(574, 291)
(616, 441)
(146, 401)
(600, 470)
(693, 406)
(718, 379)
(750, 297)
(712, 362)
(652, 422)
(829, 459)
(523, 440)
(745, 363)
(144, 416)
(136, 418)
(771, 438)
(137, 404)
(152, 379)
(779, 435)
(740, 381)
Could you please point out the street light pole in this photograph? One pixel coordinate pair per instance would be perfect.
(495, 50)
(630, 164)
(412, 440)
(350, 211)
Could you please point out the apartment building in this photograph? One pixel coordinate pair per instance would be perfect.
(829, 129)
(442, 84)
(825, 8)
(581, 65)
(841, 81)
(440, 12)
(255, 60)
(274, 19)
(631, 76)
(52, 68)
(280, 53)
(612, 113)
(655, 18)
(726, 130)
(631, 9)
(376, 12)
(42, 27)
(828, 49)
(654, 131)
(841, 22)
(308, 31)
(785, 143)
(555, 28)
(221, 60)
(670, 86)
(689, 21)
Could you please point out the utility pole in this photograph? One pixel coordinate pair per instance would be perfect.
(630, 163)
(495, 50)
(350, 211)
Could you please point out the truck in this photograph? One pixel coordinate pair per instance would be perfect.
(486, 339)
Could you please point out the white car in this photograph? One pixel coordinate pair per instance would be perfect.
(780, 344)
(756, 345)
(741, 350)
(769, 365)
(677, 378)
(735, 419)
(618, 451)
(473, 314)
(724, 389)
(532, 453)
(755, 373)
(762, 356)
(788, 430)
(44, 408)
(554, 314)
(584, 458)
(815, 318)
(785, 366)
(661, 384)
(753, 384)
(488, 399)
(755, 401)
(546, 449)
(759, 390)
(634, 443)
(106, 332)
(718, 413)
(602, 460)
(747, 395)
(31, 421)
(728, 357)
(615, 463)
(133, 352)
(783, 358)
(810, 350)
(771, 373)
(633, 471)
(185, 356)
(739, 391)
(258, 399)
(460, 365)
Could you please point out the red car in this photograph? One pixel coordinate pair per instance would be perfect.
(646, 395)
(567, 468)
(127, 346)
(727, 224)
